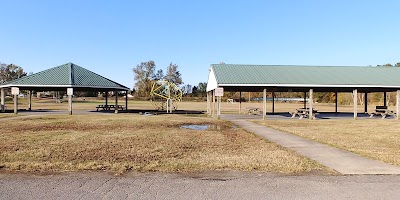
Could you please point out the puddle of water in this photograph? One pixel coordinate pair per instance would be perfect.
(202, 127)
(146, 114)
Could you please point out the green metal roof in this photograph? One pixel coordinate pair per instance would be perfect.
(308, 75)
(304, 76)
(67, 75)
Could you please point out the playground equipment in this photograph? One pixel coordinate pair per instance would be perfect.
(165, 95)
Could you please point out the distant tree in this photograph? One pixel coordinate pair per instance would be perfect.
(144, 75)
(159, 75)
(388, 65)
(10, 72)
(195, 91)
(202, 87)
(187, 89)
(173, 75)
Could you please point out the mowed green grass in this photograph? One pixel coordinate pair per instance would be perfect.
(132, 142)
(373, 138)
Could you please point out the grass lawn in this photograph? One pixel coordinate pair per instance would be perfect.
(124, 142)
(377, 139)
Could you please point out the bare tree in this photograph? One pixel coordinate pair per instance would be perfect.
(144, 74)
(159, 75)
(173, 75)
(10, 72)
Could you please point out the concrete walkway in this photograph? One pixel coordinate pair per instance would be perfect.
(342, 161)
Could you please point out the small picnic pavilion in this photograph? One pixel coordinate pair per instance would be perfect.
(307, 79)
(68, 77)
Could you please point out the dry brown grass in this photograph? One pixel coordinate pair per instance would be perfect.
(375, 138)
(126, 142)
(5, 115)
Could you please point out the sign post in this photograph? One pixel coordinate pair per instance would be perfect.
(3, 95)
(219, 92)
(70, 92)
(15, 93)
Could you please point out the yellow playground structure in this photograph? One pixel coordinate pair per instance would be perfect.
(165, 95)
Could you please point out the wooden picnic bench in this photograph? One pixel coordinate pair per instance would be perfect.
(110, 107)
(383, 111)
(304, 113)
(254, 111)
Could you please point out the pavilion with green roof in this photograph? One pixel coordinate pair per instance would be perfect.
(68, 77)
(287, 78)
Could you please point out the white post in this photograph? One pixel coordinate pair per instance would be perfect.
(3, 105)
(219, 107)
(15, 104)
(70, 104)
(264, 104)
(70, 92)
(355, 103)
(398, 104)
(170, 105)
(310, 100)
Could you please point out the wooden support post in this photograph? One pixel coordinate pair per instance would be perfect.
(106, 98)
(355, 103)
(305, 99)
(208, 103)
(30, 100)
(70, 104)
(366, 102)
(336, 102)
(264, 104)
(116, 101)
(213, 103)
(384, 99)
(249, 97)
(15, 104)
(273, 102)
(219, 107)
(3, 105)
(397, 104)
(310, 99)
(126, 100)
(240, 102)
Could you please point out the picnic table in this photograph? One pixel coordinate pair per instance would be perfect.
(304, 113)
(383, 111)
(252, 110)
(110, 107)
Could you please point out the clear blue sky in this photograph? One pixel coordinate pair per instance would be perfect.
(112, 37)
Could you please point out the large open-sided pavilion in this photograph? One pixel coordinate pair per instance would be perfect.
(68, 77)
(307, 79)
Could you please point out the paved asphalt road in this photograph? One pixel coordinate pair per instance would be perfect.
(212, 185)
